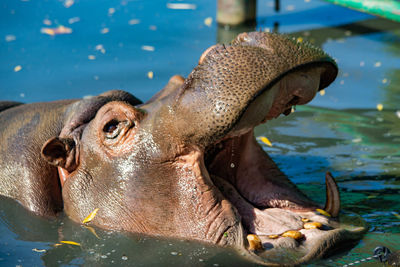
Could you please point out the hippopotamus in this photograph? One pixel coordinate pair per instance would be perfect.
(185, 164)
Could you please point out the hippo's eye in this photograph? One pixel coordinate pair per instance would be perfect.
(112, 129)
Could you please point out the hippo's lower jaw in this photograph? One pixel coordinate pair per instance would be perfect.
(270, 206)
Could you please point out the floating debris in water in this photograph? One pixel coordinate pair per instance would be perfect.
(181, 6)
(38, 250)
(153, 27)
(100, 48)
(73, 20)
(323, 212)
(71, 243)
(55, 31)
(111, 11)
(104, 30)
(322, 92)
(398, 114)
(356, 140)
(133, 22)
(362, 64)
(91, 57)
(174, 253)
(47, 22)
(384, 80)
(22, 95)
(124, 258)
(17, 68)
(265, 140)
(10, 38)
(208, 21)
(379, 107)
(290, 8)
(377, 64)
(150, 75)
(341, 82)
(91, 216)
(91, 229)
(396, 215)
(68, 3)
(148, 48)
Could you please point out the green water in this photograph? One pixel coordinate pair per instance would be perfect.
(342, 131)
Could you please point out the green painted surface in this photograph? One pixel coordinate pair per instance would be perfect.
(389, 9)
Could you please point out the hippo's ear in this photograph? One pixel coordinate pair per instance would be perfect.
(60, 152)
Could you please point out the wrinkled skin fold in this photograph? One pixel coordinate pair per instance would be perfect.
(185, 164)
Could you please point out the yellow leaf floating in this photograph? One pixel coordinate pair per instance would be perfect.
(208, 21)
(265, 140)
(91, 216)
(325, 213)
(379, 107)
(91, 229)
(17, 68)
(70, 243)
(396, 215)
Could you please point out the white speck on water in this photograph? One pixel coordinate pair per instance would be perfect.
(10, 38)
(377, 64)
(232, 165)
(73, 20)
(201, 260)
(181, 6)
(148, 48)
(398, 114)
(124, 258)
(174, 253)
(362, 64)
(134, 21)
(290, 8)
(379, 119)
(356, 140)
(103, 256)
(22, 95)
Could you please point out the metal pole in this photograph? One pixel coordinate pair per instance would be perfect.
(236, 12)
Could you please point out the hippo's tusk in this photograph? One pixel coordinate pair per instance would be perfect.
(332, 203)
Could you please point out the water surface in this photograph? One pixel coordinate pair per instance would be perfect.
(116, 44)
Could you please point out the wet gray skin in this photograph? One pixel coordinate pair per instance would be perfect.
(186, 164)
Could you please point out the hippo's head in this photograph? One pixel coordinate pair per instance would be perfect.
(186, 163)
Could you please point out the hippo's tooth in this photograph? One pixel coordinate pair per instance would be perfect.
(293, 234)
(332, 203)
(312, 225)
(254, 242)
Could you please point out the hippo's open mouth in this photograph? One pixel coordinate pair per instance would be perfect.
(271, 207)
